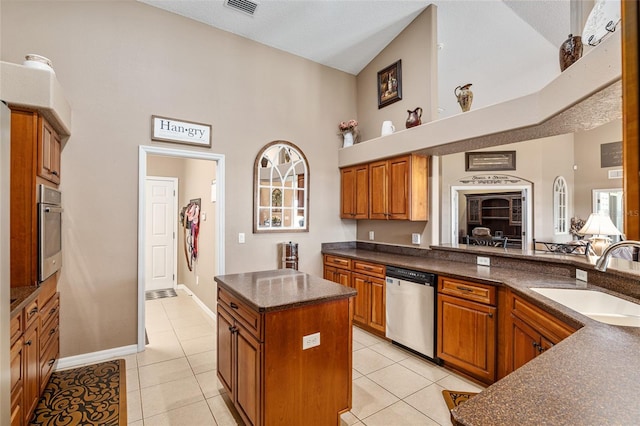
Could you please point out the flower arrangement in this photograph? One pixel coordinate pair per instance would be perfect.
(350, 126)
(576, 225)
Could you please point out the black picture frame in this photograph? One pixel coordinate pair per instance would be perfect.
(390, 84)
(490, 161)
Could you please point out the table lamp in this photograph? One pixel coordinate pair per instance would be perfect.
(599, 226)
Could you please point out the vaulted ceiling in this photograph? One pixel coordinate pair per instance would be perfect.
(501, 46)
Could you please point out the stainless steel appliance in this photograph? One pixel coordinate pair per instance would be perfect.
(49, 231)
(411, 310)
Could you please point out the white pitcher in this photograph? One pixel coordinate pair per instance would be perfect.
(387, 128)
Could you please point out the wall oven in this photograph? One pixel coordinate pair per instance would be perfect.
(49, 231)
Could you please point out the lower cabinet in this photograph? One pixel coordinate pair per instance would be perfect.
(34, 352)
(337, 269)
(270, 378)
(532, 331)
(467, 327)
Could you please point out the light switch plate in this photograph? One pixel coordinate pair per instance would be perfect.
(241, 238)
(581, 275)
(415, 238)
(371, 235)
(310, 341)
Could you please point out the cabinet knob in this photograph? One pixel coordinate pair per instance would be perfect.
(490, 315)
(55, 173)
(233, 305)
(33, 311)
(53, 330)
(28, 342)
(464, 288)
(51, 361)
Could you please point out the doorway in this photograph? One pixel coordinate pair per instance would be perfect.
(459, 214)
(218, 257)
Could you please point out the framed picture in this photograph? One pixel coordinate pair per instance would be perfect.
(490, 161)
(390, 84)
(166, 129)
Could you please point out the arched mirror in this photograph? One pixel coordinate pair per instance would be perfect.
(281, 189)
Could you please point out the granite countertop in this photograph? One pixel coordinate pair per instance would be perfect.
(21, 296)
(590, 378)
(280, 289)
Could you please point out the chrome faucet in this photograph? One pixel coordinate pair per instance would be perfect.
(603, 261)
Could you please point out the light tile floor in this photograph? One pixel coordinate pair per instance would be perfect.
(173, 382)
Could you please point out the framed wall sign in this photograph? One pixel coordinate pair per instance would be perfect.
(390, 84)
(490, 161)
(166, 129)
(611, 154)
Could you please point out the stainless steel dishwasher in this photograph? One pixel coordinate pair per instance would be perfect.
(411, 310)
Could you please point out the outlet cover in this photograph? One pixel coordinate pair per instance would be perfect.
(371, 235)
(484, 261)
(415, 238)
(241, 238)
(581, 275)
(310, 341)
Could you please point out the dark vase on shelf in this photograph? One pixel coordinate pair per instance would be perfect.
(570, 51)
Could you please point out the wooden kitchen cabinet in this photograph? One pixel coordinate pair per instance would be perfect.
(49, 147)
(369, 309)
(398, 188)
(337, 269)
(467, 327)
(532, 331)
(31, 386)
(268, 375)
(354, 192)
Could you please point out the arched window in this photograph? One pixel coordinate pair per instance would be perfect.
(281, 189)
(560, 206)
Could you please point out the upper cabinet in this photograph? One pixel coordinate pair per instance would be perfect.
(396, 189)
(49, 146)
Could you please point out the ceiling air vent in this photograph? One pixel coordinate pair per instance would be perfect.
(246, 6)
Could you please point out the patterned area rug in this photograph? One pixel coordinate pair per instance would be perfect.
(160, 294)
(455, 398)
(91, 395)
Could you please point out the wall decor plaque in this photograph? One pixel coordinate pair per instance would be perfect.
(487, 161)
(166, 129)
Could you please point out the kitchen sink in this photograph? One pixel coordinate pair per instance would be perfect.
(596, 305)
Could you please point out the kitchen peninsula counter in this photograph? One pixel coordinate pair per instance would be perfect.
(590, 378)
(285, 346)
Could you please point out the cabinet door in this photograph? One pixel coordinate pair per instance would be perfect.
(347, 193)
(31, 370)
(473, 211)
(225, 350)
(398, 188)
(378, 190)
(248, 375)
(48, 152)
(17, 383)
(343, 277)
(467, 336)
(515, 216)
(525, 343)
(361, 305)
(377, 304)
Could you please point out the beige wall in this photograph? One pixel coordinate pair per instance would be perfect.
(121, 62)
(589, 174)
(416, 47)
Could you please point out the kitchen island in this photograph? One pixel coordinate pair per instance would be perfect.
(285, 346)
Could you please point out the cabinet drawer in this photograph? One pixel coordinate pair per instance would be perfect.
(372, 269)
(339, 262)
(482, 293)
(16, 327)
(545, 323)
(49, 330)
(241, 312)
(48, 360)
(48, 289)
(30, 313)
(50, 309)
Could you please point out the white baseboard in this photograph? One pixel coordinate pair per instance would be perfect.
(200, 303)
(93, 357)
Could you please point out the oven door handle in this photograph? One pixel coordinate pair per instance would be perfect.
(53, 209)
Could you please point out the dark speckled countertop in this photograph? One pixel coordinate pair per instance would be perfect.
(21, 296)
(282, 289)
(590, 378)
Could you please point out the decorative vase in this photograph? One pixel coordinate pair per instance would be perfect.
(465, 96)
(414, 118)
(348, 139)
(570, 51)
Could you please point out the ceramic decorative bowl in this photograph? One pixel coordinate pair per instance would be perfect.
(37, 61)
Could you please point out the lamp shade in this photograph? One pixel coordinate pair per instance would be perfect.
(599, 224)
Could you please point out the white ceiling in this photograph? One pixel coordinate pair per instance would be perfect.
(501, 46)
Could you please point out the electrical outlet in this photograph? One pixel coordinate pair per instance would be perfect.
(371, 235)
(581, 275)
(415, 238)
(197, 280)
(484, 261)
(241, 238)
(310, 341)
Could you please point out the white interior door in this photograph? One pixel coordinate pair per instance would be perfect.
(161, 228)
